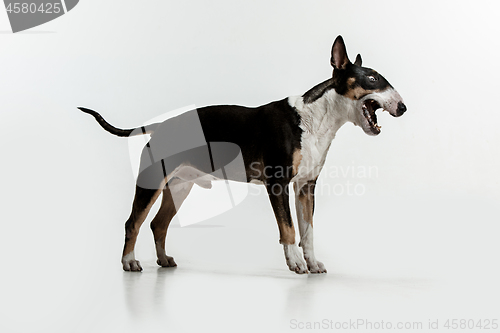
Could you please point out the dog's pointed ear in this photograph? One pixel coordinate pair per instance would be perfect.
(358, 60)
(339, 59)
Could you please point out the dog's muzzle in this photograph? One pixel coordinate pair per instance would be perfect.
(388, 100)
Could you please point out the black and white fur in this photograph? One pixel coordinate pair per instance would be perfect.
(281, 142)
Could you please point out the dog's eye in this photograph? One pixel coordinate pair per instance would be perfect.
(372, 78)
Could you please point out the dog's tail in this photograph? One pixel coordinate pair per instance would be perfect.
(149, 129)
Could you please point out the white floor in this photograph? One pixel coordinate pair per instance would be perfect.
(413, 262)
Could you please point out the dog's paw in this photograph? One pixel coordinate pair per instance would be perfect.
(166, 262)
(297, 267)
(294, 259)
(131, 265)
(316, 267)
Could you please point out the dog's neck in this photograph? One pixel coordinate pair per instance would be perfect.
(324, 114)
(320, 119)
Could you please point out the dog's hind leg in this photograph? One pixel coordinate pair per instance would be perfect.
(174, 195)
(278, 195)
(143, 200)
(304, 204)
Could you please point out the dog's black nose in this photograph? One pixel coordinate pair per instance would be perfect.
(401, 109)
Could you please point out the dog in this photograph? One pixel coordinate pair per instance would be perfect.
(281, 143)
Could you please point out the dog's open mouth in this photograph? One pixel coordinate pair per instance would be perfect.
(369, 107)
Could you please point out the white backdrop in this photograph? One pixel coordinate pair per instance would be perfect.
(421, 228)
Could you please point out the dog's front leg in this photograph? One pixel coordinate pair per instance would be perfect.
(278, 195)
(304, 204)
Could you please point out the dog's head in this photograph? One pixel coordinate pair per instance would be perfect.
(367, 89)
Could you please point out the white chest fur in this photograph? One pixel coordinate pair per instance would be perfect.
(320, 121)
